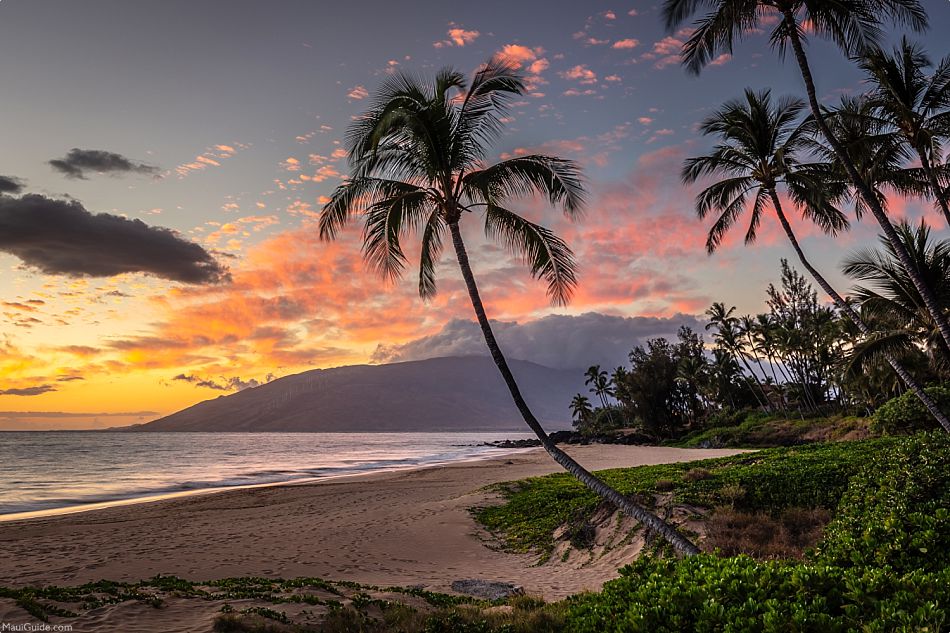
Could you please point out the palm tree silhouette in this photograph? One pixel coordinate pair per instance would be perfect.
(418, 162)
(854, 25)
(760, 143)
(580, 409)
(915, 104)
(599, 383)
(889, 297)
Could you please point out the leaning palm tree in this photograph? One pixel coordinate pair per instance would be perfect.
(418, 162)
(599, 383)
(759, 152)
(916, 104)
(854, 25)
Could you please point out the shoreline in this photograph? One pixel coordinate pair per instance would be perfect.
(94, 506)
(410, 527)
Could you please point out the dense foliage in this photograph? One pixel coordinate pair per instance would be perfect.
(884, 565)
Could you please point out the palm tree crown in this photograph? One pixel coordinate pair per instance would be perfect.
(854, 25)
(761, 142)
(418, 161)
(914, 103)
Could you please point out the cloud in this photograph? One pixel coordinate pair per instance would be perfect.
(457, 36)
(558, 341)
(28, 391)
(625, 44)
(211, 157)
(78, 162)
(580, 73)
(358, 92)
(62, 237)
(234, 383)
(8, 184)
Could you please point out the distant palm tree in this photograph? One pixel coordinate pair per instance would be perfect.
(418, 162)
(854, 25)
(759, 149)
(599, 383)
(728, 338)
(916, 104)
(581, 409)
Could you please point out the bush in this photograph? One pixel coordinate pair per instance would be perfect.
(907, 414)
(896, 513)
(708, 593)
(884, 565)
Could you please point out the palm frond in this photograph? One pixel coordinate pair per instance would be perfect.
(558, 179)
(549, 257)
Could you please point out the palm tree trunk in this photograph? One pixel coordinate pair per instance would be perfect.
(934, 183)
(909, 380)
(680, 543)
(764, 400)
(926, 294)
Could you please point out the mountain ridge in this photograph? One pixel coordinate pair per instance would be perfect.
(450, 393)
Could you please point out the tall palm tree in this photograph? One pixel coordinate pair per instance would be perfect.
(854, 25)
(418, 162)
(916, 104)
(760, 143)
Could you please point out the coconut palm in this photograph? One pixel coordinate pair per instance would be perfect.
(760, 144)
(854, 25)
(418, 162)
(599, 383)
(728, 338)
(878, 154)
(581, 409)
(916, 104)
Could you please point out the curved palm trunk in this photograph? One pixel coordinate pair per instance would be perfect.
(934, 183)
(926, 294)
(909, 380)
(764, 400)
(680, 543)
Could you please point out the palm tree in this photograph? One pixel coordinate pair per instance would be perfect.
(854, 25)
(878, 154)
(727, 337)
(760, 144)
(580, 409)
(915, 104)
(599, 384)
(418, 163)
(890, 298)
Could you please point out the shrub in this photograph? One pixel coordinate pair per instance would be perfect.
(708, 593)
(906, 414)
(896, 513)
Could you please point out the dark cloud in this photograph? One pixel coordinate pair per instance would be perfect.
(234, 383)
(8, 184)
(80, 161)
(559, 341)
(28, 391)
(69, 378)
(62, 237)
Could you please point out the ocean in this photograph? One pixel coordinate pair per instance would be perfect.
(44, 471)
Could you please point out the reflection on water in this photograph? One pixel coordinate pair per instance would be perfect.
(46, 470)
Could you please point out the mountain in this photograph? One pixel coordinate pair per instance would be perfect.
(463, 393)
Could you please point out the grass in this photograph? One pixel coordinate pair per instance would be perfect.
(758, 430)
(771, 481)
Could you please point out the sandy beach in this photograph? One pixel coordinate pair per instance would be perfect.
(396, 528)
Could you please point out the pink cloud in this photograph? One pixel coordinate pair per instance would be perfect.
(625, 44)
(580, 73)
(357, 93)
(457, 36)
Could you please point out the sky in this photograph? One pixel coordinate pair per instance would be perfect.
(210, 134)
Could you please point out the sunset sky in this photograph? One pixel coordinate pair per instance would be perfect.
(222, 120)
